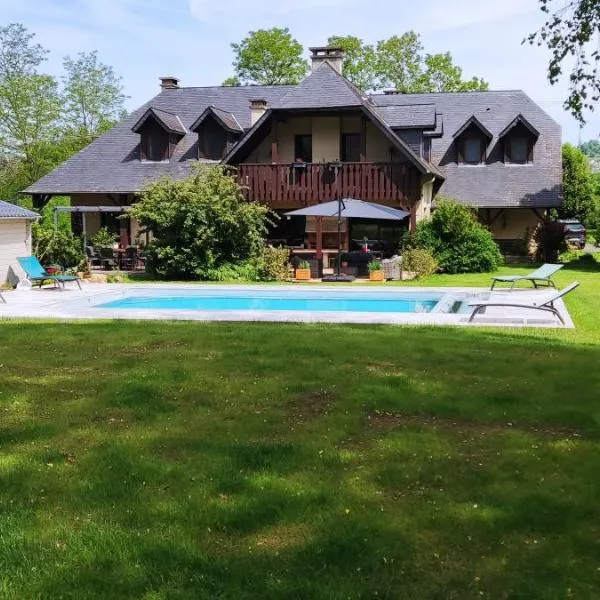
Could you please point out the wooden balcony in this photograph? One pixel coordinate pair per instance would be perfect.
(303, 184)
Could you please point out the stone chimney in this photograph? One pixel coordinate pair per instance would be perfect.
(257, 109)
(334, 56)
(169, 83)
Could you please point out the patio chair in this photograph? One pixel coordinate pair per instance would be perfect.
(543, 274)
(107, 257)
(546, 305)
(93, 257)
(130, 258)
(37, 274)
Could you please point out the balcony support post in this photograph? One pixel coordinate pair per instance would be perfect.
(319, 235)
(363, 139)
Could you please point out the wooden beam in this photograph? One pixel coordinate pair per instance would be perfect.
(495, 218)
(40, 200)
(363, 139)
(124, 239)
(413, 218)
(319, 232)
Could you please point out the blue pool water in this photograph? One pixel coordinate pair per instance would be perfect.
(294, 301)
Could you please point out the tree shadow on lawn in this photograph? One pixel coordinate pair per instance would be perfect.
(210, 481)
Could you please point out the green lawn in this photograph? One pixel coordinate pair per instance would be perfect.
(270, 461)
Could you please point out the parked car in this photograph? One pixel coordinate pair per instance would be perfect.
(575, 232)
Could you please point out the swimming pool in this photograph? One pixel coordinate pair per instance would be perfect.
(288, 299)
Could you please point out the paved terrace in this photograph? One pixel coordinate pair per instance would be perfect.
(73, 304)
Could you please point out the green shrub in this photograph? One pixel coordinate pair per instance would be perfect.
(419, 261)
(201, 226)
(570, 255)
(275, 264)
(116, 276)
(55, 246)
(548, 241)
(235, 272)
(374, 265)
(592, 237)
(457, 240)
(104, 239)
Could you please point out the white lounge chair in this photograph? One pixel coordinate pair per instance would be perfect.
(542, 275)
(547, 304)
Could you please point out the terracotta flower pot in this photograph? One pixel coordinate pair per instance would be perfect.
(303, 274)
(376, 275)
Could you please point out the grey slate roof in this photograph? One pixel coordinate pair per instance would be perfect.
(227, 119)
(494, 184)
(111, 164)
(421, 116)
(474, 121)
(168, 120)
(519, 119)
(323, 88)
(12, 211)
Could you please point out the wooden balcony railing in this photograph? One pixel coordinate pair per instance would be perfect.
(303, 184)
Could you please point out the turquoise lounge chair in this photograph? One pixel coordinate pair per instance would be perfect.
(37, 274)
(543, 274)
(546, 305)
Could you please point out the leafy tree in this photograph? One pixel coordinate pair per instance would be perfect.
(571, 33)
(360, 61)
(457, 240)
(200, 225)
(92, 94)
(578, 187)
(40, 126)
(591, 148)
(442, 75)
(29, 100)
(548, 241)
(232, 81)
(269, 57)
(400, 62)
(56, 245)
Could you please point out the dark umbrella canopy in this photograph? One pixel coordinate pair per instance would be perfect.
(350, 208)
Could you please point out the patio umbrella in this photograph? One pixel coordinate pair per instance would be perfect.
(348, 208)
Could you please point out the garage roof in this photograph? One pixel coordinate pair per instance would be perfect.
(12, 211)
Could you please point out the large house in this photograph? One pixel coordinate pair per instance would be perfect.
(323, 139)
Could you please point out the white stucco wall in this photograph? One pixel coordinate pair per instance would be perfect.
(15, 240)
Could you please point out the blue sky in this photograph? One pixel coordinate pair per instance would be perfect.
(143, 39)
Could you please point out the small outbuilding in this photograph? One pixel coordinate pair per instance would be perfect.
(15, 239)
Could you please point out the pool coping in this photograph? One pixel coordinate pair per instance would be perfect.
(72, 304)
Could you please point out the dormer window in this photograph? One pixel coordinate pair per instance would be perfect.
(472, 140)
(218, 131)
(472, 150)
(160, 131)
(154, 144)
(518, 150)
(518, 140)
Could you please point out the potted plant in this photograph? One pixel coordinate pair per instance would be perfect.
(303, 271)
(375, 270)
(103, 238)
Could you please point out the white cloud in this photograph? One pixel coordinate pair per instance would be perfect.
(221, 12)
(444, 15)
